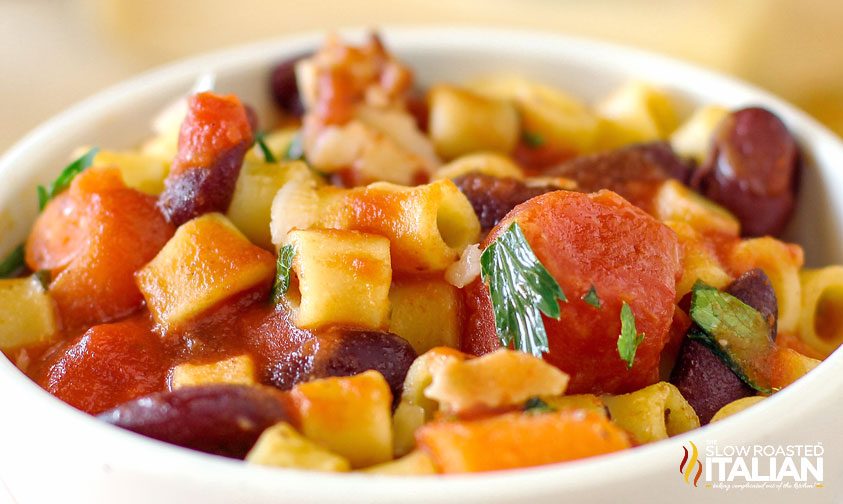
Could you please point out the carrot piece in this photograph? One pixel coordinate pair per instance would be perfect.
(518, 440)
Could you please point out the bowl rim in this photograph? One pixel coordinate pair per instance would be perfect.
(544, 480)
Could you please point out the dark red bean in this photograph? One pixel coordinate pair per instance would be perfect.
(492, 197)
(284, 87)
(219, 419)
(752, 170)
(634, 172)
(754, 288)
(342, 352)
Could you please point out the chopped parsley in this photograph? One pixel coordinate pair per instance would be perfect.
(629, 338)
(521, 289)
(260, 140)
(735, 331)
(537, 405)
(592, 298)
(283, 269)
(13, 263)
(533, 140)
(62, 182)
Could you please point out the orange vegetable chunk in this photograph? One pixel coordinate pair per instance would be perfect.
(598, 240)
(788, 365)
(518, 440)
(93, 238)
(206, 262)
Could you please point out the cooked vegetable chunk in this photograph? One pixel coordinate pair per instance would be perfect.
(282, 446)
(350, 416)
(238, 370)
(27, 314)
(519, 440)
(220, 419)
(207, 261)
(93, 239)
(599, 241)
(108, 365)
(213, 141)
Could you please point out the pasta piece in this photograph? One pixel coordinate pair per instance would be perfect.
(426, 313)
(635, 113)
(788, 365)
(407, 418)
(420, 375)
(416, 463)
(588, 402)
(781, 262)
(237, 370)
(139, 171)
(462, 122)
(296, 205)
(340, 278)
(558, 119)
(693, 137)
(674, 201)
(486, 163)
(27, 314)
(427, 226)
(207, 261)
(736, 407)
(498, 379)
(519, 440)
(699, 261)
(282, 446)
(652, 413)
(821, 322)
(257, 185)
(350, 416)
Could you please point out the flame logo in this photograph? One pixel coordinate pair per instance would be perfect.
(689, 462)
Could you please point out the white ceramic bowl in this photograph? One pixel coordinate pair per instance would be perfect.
(50, 452)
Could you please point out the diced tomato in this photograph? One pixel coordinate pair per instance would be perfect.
(106, 366)
(602, 240)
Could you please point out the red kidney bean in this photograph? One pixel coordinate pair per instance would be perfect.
(284, 87)
(492, 197)
(752, 170)
(343, 352)
(219, 419)
(634, 172)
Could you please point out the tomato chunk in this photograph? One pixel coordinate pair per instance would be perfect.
(602, 240)
(93, 238)
(107, 366)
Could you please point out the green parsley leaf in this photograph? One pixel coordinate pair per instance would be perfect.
(533, 140)
(260, 140)
(521, 289)
(592, 298)
(283, 268)
(629, 338)
(536, 405)
(62, 182)
(12, 263)
(735, 331)
(295, 151)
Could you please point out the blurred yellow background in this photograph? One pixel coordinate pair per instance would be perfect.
(55, 52)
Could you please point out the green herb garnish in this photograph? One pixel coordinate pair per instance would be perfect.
(260, 140)
(629, 338)
(533, 140)
(295, 151)
(536, 405)
(521, 290)
(283, 269)
(62, 182)
(12, 263)
(592, 298)
(735, 331)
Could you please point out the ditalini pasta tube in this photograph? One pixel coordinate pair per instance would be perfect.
(427, 226)
(821, 323)
(652, 413)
